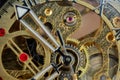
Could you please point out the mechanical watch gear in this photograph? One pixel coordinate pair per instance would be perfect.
(59, 40)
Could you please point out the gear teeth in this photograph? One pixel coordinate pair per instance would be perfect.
(89, 45)
(71, 45)
(68, 45)
(92, 45)
(72, 41)
(77, 48)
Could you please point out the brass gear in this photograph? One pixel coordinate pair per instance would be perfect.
(100, 52)
(14, 44)
(95, 64)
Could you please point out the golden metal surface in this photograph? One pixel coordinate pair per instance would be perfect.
(92, 41)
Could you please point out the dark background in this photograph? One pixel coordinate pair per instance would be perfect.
(2, 2)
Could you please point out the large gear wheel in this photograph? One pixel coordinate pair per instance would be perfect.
(79, 60)
(26, 62)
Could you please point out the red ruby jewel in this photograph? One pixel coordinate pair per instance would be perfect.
(2, 32)
(1, 78)
(69, 19)
(23, 57)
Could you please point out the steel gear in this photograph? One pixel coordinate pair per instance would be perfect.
(78, 64)
(90, 29)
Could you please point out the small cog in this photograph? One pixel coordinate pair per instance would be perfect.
(72, 41)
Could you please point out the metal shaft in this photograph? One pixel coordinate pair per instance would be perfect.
(37, 35)
(101, 7)
(38, 75)
(53, 76)
(43, 27)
